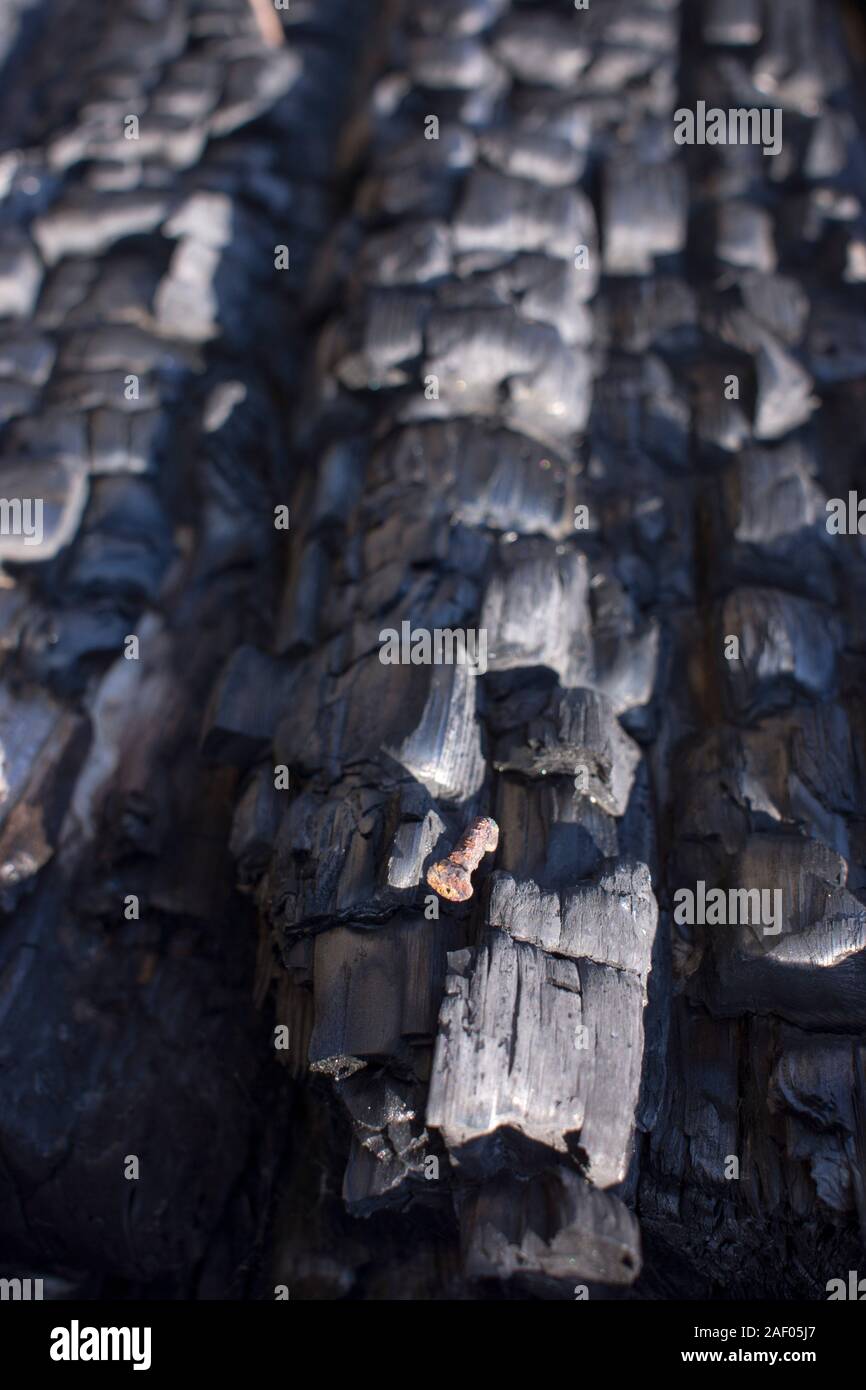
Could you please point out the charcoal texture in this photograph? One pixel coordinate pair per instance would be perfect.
(145, 340)
(503, 492)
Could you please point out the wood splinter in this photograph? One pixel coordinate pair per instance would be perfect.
(450, 878)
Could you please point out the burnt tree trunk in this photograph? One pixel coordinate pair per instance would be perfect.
(548, 380)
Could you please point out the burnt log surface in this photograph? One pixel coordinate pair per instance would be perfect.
(422, 323)
(148, 349)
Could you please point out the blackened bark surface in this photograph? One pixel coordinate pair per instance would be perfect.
(148, 349)
(553, 383)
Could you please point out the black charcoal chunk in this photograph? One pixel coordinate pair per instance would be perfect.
(579, 735)
(550, 1232)
(592, 1017)
(645, 214)
(245, 708)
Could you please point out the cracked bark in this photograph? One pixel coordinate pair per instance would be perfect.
(544, 1086)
